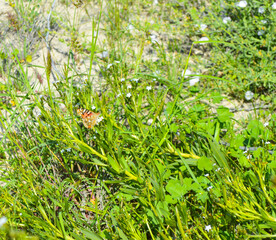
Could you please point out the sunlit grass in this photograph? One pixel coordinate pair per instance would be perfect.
(165, 161)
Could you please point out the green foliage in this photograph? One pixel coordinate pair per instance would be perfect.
(247, 52)
(167, 160)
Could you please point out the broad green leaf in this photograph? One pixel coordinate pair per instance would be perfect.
(224, 114)
(205, 163)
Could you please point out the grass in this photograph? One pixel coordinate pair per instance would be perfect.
(171, 158)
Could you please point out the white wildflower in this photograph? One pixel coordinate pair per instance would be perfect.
(153, 39)
(128, 95)
(203, 39)
(274, 5)
(155, 2)
(260, 32)
(3, 220)
(117, 61)
(148, 88)
(109, 65)
(123, 79)
(135, 80)
(187, 73)
(68, 149)
(99, 119)
(209, 188)
(261, 10)
(208, 228)
(266, 124)
(104, 54)
(130, 27)
(129, 87)
(264, 21)
(241, 4)
(226, 20)
(267, 142)
(93, 107)
(249, 95)
(193, 81)
(203, 27)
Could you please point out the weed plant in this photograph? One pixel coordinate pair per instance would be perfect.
(165, 162)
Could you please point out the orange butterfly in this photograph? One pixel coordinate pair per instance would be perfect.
(89, 118)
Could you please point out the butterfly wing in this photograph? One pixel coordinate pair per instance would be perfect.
(89, 118)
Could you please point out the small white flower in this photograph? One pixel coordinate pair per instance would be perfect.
(274, 5)
(264, 21)
(119, 95)
(128, 95)
(62, 150)
(249, 156)
(148, 88)
(99, 119)
(226, 20)
(117, 61)
(260, 32)
(3, 220)
(155, 2)
(93, 107)
(266, 124)
(135, 80)
(123, 79)
(187, 73)
(206, 175)
(267, 142)
(154, 79)
(104, 54)
(249, 95)
(153, 39)
(261, 10)
(129, 87)
(193, 81)
(203, 39)
(68, 149)
(203, 27)
(208, 228)
(241, 4)
(109, 65)
(20, 214)
(217, 169)
(209, 188)
(130, 27)
(94, 137)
